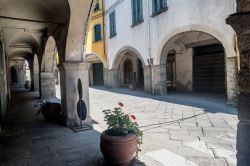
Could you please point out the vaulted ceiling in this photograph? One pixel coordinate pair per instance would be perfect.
(26, 24)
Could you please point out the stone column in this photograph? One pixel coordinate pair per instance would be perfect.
(232, 86)
(241, 24)
(70, 72)
(36, 81)
(113, 78)
(147, 79)
(47, 85)
(160, 79)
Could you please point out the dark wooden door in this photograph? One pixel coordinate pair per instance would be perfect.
(171, 71)
(209, 69)
(140, 72)
(98, 74)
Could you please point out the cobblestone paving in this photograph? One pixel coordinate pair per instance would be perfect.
(179, 129)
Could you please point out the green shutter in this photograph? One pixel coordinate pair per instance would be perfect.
(159, 5)
(112, 24)
(136, 11)
(98, 33)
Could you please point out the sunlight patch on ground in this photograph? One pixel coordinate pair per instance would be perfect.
(200, 146)
(168, 158)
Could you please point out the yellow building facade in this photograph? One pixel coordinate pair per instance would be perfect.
(95, 44)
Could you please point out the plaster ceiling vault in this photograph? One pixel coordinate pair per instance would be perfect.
(26, 24)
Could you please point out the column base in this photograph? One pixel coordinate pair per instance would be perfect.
(243, 144)
(113, 80)
(160, 79)
(72, 123)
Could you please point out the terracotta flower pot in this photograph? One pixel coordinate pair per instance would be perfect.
(51, 111)
(118, 150)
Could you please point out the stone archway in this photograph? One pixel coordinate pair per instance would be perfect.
(128, 67)
(96, 69)
(27, 25)
(49, 71)
(188, 78)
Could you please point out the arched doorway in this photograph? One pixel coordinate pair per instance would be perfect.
(50, 73)
(96, 70)
(14, 75)
(195, 62)
(129, 66)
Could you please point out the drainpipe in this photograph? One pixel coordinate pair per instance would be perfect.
(150, 60)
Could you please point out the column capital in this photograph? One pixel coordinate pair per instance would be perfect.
(239, 23)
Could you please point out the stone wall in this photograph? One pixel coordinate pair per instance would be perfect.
(240, 22)
(3, 89)
(243, 6)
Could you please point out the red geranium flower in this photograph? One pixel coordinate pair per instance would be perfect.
(133, 117)
(120, 104)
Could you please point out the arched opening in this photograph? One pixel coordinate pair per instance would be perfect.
(57, 76)
(28, 75)
(96, 70)
(130, 68)
(14, 75)
(195, 62)
(50, 73)
(36, 73)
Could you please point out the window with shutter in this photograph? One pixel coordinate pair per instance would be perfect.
(137, 14)
(97, 6)
(159, 6)
(98, 32)
(112, 24)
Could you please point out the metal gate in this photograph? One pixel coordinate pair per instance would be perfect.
(209, 69)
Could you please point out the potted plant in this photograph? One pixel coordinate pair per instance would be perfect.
(51, 111)
(122, 140)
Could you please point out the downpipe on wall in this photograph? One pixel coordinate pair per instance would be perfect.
(150, 60)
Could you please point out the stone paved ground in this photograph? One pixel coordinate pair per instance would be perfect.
(179, 129)
(30, 141)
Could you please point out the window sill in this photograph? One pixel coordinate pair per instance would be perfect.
(137, 23)
(96, 41)
(113, 35)
(97, 10)
(159, 12)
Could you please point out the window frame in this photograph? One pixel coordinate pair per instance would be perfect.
(137, 12)
(112, 25)
(159, 8)
(94, 29)
(97, 4)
